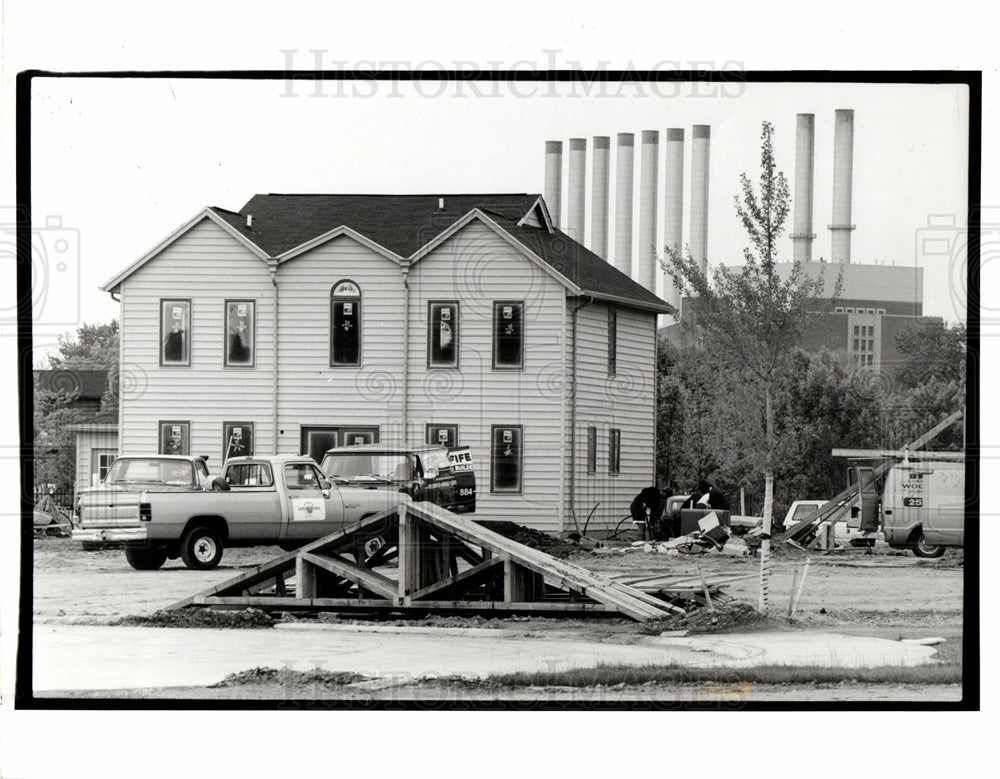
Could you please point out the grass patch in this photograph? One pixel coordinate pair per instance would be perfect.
(614, 675)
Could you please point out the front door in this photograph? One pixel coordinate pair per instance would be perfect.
(312, 511)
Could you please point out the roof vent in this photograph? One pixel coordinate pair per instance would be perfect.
(249, 221)
(440, 204)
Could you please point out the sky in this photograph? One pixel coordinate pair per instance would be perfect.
(121, 163)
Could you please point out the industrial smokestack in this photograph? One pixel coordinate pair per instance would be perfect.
(623, 202)
(700, 136)
(673, 197)
(577, 188)
(648, 161)
(553, 179)
(599, 209)
(843, 164)
(805, 140)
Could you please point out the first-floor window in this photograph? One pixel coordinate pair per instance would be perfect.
(175, 438)
(102, 463)
(237, 439)
(175, 332)
(316, 440)
(240, 316)
(614, 450)
(507, 460)
(345, 324)
(442, 435)
(591, 450)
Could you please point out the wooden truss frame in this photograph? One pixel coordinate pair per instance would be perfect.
(444, 563)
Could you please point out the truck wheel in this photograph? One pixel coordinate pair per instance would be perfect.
(201, 548)
(145, 559)
(922, 549)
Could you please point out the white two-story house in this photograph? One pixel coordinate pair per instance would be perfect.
(303, 322)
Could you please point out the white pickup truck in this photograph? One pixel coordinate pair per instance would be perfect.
(283, 500)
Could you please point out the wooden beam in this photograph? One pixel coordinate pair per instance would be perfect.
(465, 576)
(267, 603)
(921, 454)
(375, 582)
(305, 577)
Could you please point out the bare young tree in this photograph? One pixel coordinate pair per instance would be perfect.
(751, 316)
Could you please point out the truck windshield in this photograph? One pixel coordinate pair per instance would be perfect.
(368, 467)
(151, 470)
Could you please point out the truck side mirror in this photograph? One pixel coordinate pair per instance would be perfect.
(325, 485)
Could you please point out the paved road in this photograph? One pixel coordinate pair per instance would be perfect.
(93, 657)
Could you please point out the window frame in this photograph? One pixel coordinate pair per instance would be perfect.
(186, 362)
(591, 450)
(456, 330)
(227, 431)
(226, 356)
(612, 341)
(164, 432)
(614, 451)
(494, 429)
(497, 304)
(428, 427)
(355, 299)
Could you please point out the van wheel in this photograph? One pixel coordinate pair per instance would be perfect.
(922, 549)
(201, 548)
(145, 559)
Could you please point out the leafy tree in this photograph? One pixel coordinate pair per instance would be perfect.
(92, 347)
(751, 317)
(931, 351)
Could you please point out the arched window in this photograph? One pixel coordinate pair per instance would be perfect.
(345, 324)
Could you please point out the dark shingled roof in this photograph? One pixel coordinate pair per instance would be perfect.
(405, 223)
(89, 383)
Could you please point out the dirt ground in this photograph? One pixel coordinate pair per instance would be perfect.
(887, 594)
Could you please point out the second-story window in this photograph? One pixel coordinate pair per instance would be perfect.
(345, 324)
(508, 334)
(612, 342)
(175, 332)
(442, 335)
(240, 333)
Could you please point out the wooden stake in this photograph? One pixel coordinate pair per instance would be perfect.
(802, 583)
(704, 586)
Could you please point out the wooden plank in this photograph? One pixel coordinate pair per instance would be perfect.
(370, 604)
(375, 582)
(465, 576)
(305, 577)
(520, 583)
(409, 554)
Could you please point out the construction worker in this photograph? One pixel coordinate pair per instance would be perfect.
(647, 509)
(711, 497)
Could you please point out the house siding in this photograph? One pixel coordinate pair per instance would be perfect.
(476, 268)
(87, 441)
(207, 266)
(624, 401)
(312, 393)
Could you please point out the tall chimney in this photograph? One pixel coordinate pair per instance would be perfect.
(673, 196)
(843, 164)
(648, 165)
(577, 188)
(623, 202)
(599, 208)
(553, 179)
(805, 140)
(700, 135)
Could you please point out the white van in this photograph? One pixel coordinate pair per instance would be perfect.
(923, 506)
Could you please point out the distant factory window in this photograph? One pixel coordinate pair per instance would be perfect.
(345, 324)
(442, 335)
(849, 309)
(175, 332)
(507, 460)
(881, 311)
(871, 311)
(240, 316)
(838, 310)
(508, 334)
(614, 450)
